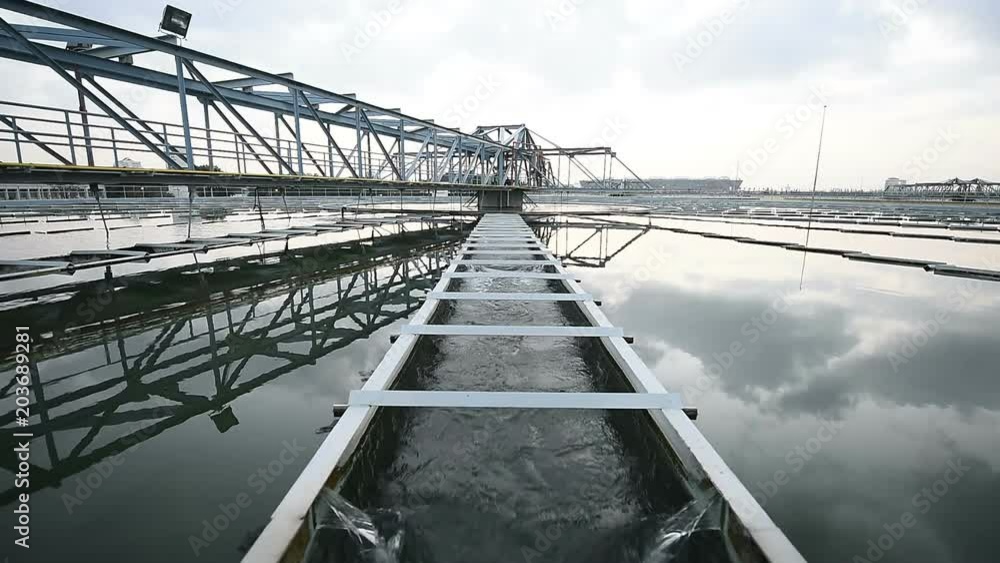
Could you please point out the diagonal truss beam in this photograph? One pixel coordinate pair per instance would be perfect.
(472, 165)
(132, 115)
(329, 136)
(418, 158)
(243, 139)
(218, 95)
(41, 144)
(448, 158)
(309, 153)
(381, 146)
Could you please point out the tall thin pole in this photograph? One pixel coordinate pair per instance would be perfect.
(812, 202)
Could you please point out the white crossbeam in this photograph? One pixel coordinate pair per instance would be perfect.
(483, 296)
(513, 245)
(500, 330)
(473, 262)
(515, 400)
(502, 252)
(476, 239)
(511, 275)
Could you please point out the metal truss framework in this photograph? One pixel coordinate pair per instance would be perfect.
(971, 190)
(324, 313)
(360, 140)
(385, 143)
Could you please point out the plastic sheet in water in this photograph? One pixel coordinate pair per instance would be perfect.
(346, 534)
(693, 534)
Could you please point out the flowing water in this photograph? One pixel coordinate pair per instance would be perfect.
(500, 485)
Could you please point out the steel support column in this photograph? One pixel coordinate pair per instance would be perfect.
(185, 121)
(298, 127)
(357, 128)
(329, 137)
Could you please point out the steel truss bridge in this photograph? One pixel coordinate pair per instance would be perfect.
(319, 138)
(954, 189)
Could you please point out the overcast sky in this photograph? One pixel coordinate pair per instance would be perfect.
(678, 88)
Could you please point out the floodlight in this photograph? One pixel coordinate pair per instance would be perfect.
(175, 21)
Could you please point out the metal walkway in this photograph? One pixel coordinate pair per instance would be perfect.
(748, 524)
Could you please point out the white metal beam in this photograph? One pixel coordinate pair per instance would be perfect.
(505, 262)
(500, 330)
(483, 296)
(511, 275)
(506, 252)
(515, 400)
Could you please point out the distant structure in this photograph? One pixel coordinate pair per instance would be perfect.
(891, 182)
(955, 189)
(42, 191)
(722, 185)
(129, 163)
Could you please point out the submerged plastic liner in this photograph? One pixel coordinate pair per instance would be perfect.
(347, 534)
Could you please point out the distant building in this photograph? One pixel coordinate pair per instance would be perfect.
(128, 163)
(890, 182)
(722, 185)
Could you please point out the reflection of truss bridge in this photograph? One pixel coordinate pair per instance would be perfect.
(598, 245)
(163, 358)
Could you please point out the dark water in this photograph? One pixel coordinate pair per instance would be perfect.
(168, 398)
(503, 485)
(846, 410)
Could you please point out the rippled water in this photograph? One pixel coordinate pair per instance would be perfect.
(502, 484)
